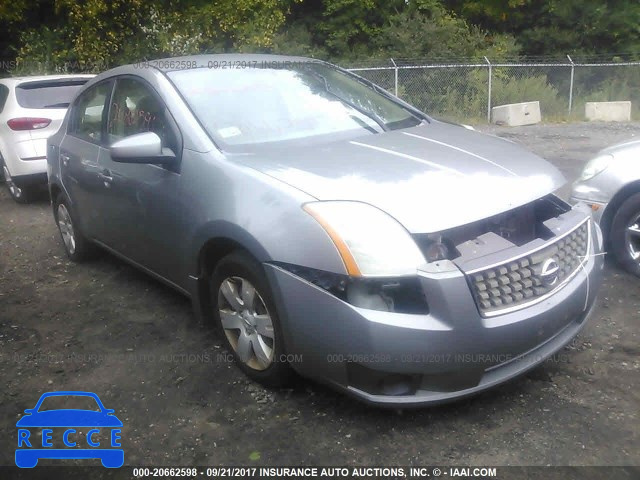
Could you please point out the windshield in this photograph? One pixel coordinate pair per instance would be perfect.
(256, 105)
(49, 93)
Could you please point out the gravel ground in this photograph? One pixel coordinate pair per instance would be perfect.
(105, 327)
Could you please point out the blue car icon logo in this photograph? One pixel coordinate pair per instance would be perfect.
(69, 433)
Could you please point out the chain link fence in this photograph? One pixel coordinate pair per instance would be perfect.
(466, 91)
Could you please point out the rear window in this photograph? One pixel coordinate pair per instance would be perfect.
(49, 93)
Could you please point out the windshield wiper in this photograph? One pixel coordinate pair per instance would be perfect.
(363, 124)
(367, 113)
(414, 112)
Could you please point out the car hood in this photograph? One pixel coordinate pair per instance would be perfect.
(430, 177)
(69, 418)
(622, 147)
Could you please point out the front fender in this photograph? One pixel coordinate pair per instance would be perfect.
(262, 215)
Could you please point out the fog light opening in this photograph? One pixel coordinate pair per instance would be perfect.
(377, 382)
(395, 385)
(361, 295)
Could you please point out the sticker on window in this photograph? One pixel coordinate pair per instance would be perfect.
(229, 132)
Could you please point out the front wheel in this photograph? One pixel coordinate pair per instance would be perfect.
(625, 235)
(246, 316)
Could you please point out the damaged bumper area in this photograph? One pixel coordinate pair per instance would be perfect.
(438, 337)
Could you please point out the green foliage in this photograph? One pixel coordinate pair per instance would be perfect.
(460, 94)
(100, 29)
(240, 25)
(46, 52)
(559, 26)
(596, 84)
(526, 87)
(348, 31)
(65, 35)
(434, 32)
(297, 39)
(16, 16)
(348, 25)
(110, 32)
(97, 34)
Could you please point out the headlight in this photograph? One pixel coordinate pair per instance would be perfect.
(595, 166)
(370, 242)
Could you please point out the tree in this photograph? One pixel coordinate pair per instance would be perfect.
(351, 30)
(559, 26)
(18, 16)
(423, 28)
(97, 34)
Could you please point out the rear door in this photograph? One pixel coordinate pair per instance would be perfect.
(79, 155)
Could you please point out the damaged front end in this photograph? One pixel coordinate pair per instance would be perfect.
(517, 258)
(510, 260)
(393, 294)
(494, 299)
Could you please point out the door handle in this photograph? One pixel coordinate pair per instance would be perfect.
(65, 159)
(106, 177)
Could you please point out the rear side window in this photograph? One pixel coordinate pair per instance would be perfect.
(48, 94)
(4, 93)
(87, 113)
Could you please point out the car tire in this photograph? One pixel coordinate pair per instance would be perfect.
(246, 318)
(625, 242)
(19, 194)
(76, 245)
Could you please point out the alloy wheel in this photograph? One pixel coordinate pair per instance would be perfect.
(246, 322)
(633, 238)
(13, 188)
(66, 229)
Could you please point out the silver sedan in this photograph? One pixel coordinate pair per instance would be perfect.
(610, 185)
(325, 226)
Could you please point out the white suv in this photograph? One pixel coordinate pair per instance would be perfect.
(31, 110)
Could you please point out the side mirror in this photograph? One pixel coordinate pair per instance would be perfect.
(29, 410)
(141, 148)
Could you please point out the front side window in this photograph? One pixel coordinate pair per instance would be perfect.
(136, 109)
(86, 117)
(255, 105)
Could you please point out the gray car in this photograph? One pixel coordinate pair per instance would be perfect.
(325, 226)
(610, 185)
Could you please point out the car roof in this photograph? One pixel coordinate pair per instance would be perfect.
(13, 81)
(173, 63)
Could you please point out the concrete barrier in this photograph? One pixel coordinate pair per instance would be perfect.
(608, 111)
(515, 114)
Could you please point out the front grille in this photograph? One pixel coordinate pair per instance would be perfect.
(526, 279)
